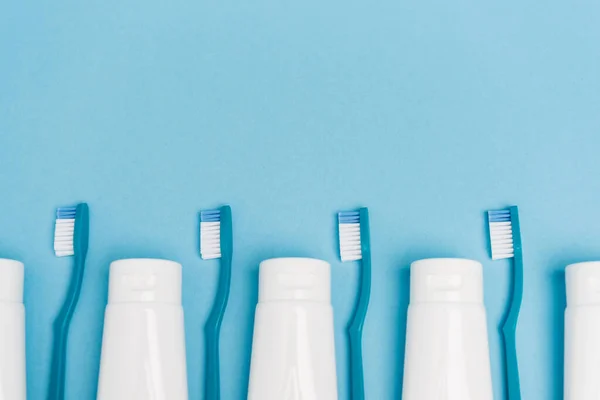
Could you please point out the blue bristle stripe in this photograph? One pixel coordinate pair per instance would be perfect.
(499, 216)
(66, 212)
(215, 211)
(349, 217)
(210, 216)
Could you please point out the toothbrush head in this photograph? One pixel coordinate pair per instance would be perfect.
(210, 234)
(71, 230)
(350, 237)
(504, 234)
(64, 231)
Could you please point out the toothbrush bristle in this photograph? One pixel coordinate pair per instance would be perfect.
(210, 234)
(64, 231)
(501, 234)
(349, 226)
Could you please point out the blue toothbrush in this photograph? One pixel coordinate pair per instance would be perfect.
(355, 244)
(216, 241)
(71, 237)
(505, 241)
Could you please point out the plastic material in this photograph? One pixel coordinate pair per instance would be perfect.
(293, 351)
(582, 330)
(509, 329)
(143, 348)
(505, 242)
(447, 351)
(355, 244)
(63, 320)
(12, 332)
(215, 319)
(355, 329)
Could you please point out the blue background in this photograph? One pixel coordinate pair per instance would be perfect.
(427, 111)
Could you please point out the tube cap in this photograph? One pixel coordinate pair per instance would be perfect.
(11, 281)
(448, 280)
(144, 281)
(301, 279)
(583, 283)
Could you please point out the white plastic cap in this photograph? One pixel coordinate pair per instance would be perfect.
(300, 279)
(11, 281)
(144, 281)
(448, 280)
(583, 283)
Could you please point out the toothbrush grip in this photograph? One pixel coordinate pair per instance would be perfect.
(61, 333)
(357, 390)
(213, 332)
(213, 378)
(512, 367)
(215, 319)
(58, 372)
(355, 330)
(509, 331)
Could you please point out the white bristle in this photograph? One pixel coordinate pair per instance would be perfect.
(63, 237)
(350, 249)
(210, 240)
(501, 238)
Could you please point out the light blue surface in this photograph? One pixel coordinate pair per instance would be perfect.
(429, 112)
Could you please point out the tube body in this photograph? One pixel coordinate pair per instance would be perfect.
(13, 384)
(293, 351)
(447, 350)
(582, 332)
(143, 347)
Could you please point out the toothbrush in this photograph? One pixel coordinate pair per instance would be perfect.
(216, 241)
(71, 237)
(505, 240)
(355, 244)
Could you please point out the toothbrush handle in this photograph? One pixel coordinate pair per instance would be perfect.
(357, 390)
(213, 333)
(213, 378)
(512, 365)
(355, 330)
(61, 333)
(215, 319)
(509, 330)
